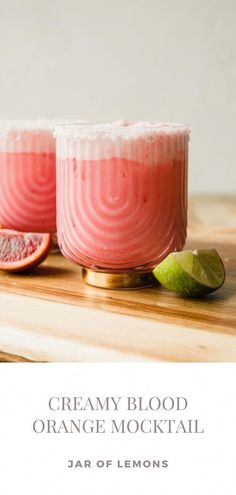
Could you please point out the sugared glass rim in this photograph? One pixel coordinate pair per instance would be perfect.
(33, 125)
(120, 129)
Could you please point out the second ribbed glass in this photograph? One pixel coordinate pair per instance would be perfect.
(28, 176)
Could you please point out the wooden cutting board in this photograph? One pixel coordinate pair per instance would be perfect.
(51, 315)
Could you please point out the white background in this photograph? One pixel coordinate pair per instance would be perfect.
(198, 464)
(140, 59)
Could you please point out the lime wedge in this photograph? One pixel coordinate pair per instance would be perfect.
(191, 273)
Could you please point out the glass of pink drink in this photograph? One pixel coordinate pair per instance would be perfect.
(121, 198)
(28, 176)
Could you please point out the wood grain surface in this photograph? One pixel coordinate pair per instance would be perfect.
(10, 358)
(51, 315)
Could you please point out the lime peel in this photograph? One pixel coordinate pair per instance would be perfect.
(191, 273)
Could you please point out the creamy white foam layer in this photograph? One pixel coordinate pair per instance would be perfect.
(29, 136)
(145, 142)
(119, 129)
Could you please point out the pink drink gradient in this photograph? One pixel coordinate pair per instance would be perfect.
(27, 177)
(122, 196)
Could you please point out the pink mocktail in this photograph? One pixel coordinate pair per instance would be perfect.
(122, 194)
(27, 176)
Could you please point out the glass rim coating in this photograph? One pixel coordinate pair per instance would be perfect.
(120, 129)
(12, 127)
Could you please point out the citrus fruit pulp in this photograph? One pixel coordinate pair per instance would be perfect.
(20, 251)
(191, 273)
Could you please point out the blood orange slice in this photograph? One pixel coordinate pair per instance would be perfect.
(20, 251)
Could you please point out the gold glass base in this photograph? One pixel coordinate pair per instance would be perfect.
(118, 280)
